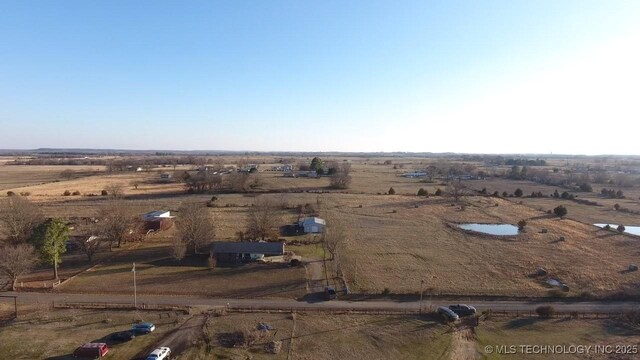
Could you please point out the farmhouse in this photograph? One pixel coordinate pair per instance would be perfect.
(237, 252)
(158, 220)
(312, 225)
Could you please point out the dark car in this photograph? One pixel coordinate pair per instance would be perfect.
(447, 313)
(462, 309)
(143, 328)
(123, 336)
(330, 293)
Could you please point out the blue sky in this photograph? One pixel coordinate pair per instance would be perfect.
(463, 76)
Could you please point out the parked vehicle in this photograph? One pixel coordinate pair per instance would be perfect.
(123, 335)
(91, 351)
(162, 353)
(462, 309)
(448, 313)
(330, 293)
(143, 328)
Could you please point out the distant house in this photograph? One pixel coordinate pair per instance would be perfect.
(415, 174)
(312, 225)
(237, 252)
(310, 174)
(285, 168)
(158, 220)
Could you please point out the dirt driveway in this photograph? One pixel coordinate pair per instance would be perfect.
(179, 339)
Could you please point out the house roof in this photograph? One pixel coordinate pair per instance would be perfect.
(235, 247)
(313, 220)
(154, 214)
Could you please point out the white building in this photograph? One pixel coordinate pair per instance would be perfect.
(312, 225)
(157, 215)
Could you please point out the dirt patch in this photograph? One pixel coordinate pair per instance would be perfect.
(180, 339)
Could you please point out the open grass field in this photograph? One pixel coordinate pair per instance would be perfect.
(397, 250)
(25, 178)
(393, 241)
(535, 331)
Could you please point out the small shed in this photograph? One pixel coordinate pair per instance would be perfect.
(237, 252)
(312, 225)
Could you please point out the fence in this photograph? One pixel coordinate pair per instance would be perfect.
(330, 310)
(119, 306)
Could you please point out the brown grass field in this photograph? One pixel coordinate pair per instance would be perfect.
(308, 336)
(394, 241)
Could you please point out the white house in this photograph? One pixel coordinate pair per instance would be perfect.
(157, 215)
(312, 225)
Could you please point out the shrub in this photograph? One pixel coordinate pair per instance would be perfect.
(607, 227)
(505, 194)
(391, 191)
(616, 206)
(586, 187)
(386, 292)
(438, 192)
(104, 193)
(560, 211)
(66, 193)
(422, 192)
(545, 311)
(25, 193)
(621, 228)
(521, 224)
(294, 262)
(496, 194)
(10, 193)
(76, 193)
(518, 192)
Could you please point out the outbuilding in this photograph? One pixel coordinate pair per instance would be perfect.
(312, 225)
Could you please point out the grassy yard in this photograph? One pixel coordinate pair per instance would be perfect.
(55, 334)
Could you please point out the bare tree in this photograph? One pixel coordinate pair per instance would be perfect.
(16, 260)
(334, 237)
(263, 220)
(341, 179)
(19, 217)
(239, 182)
(115, 190)
(89, 245)
(456, 189)
(118, 223)
(135, 184)
(195, 226)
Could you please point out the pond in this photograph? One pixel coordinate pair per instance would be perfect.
(491, 229)
(635, 230)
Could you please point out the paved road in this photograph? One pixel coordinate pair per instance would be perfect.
(285, 304)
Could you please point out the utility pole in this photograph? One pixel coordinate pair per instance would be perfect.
(135, 292)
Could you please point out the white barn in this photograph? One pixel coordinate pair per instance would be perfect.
(312, 225)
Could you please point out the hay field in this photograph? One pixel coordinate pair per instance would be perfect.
(19, 178)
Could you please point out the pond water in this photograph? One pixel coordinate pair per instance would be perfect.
(491, 229)
(635, 230)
